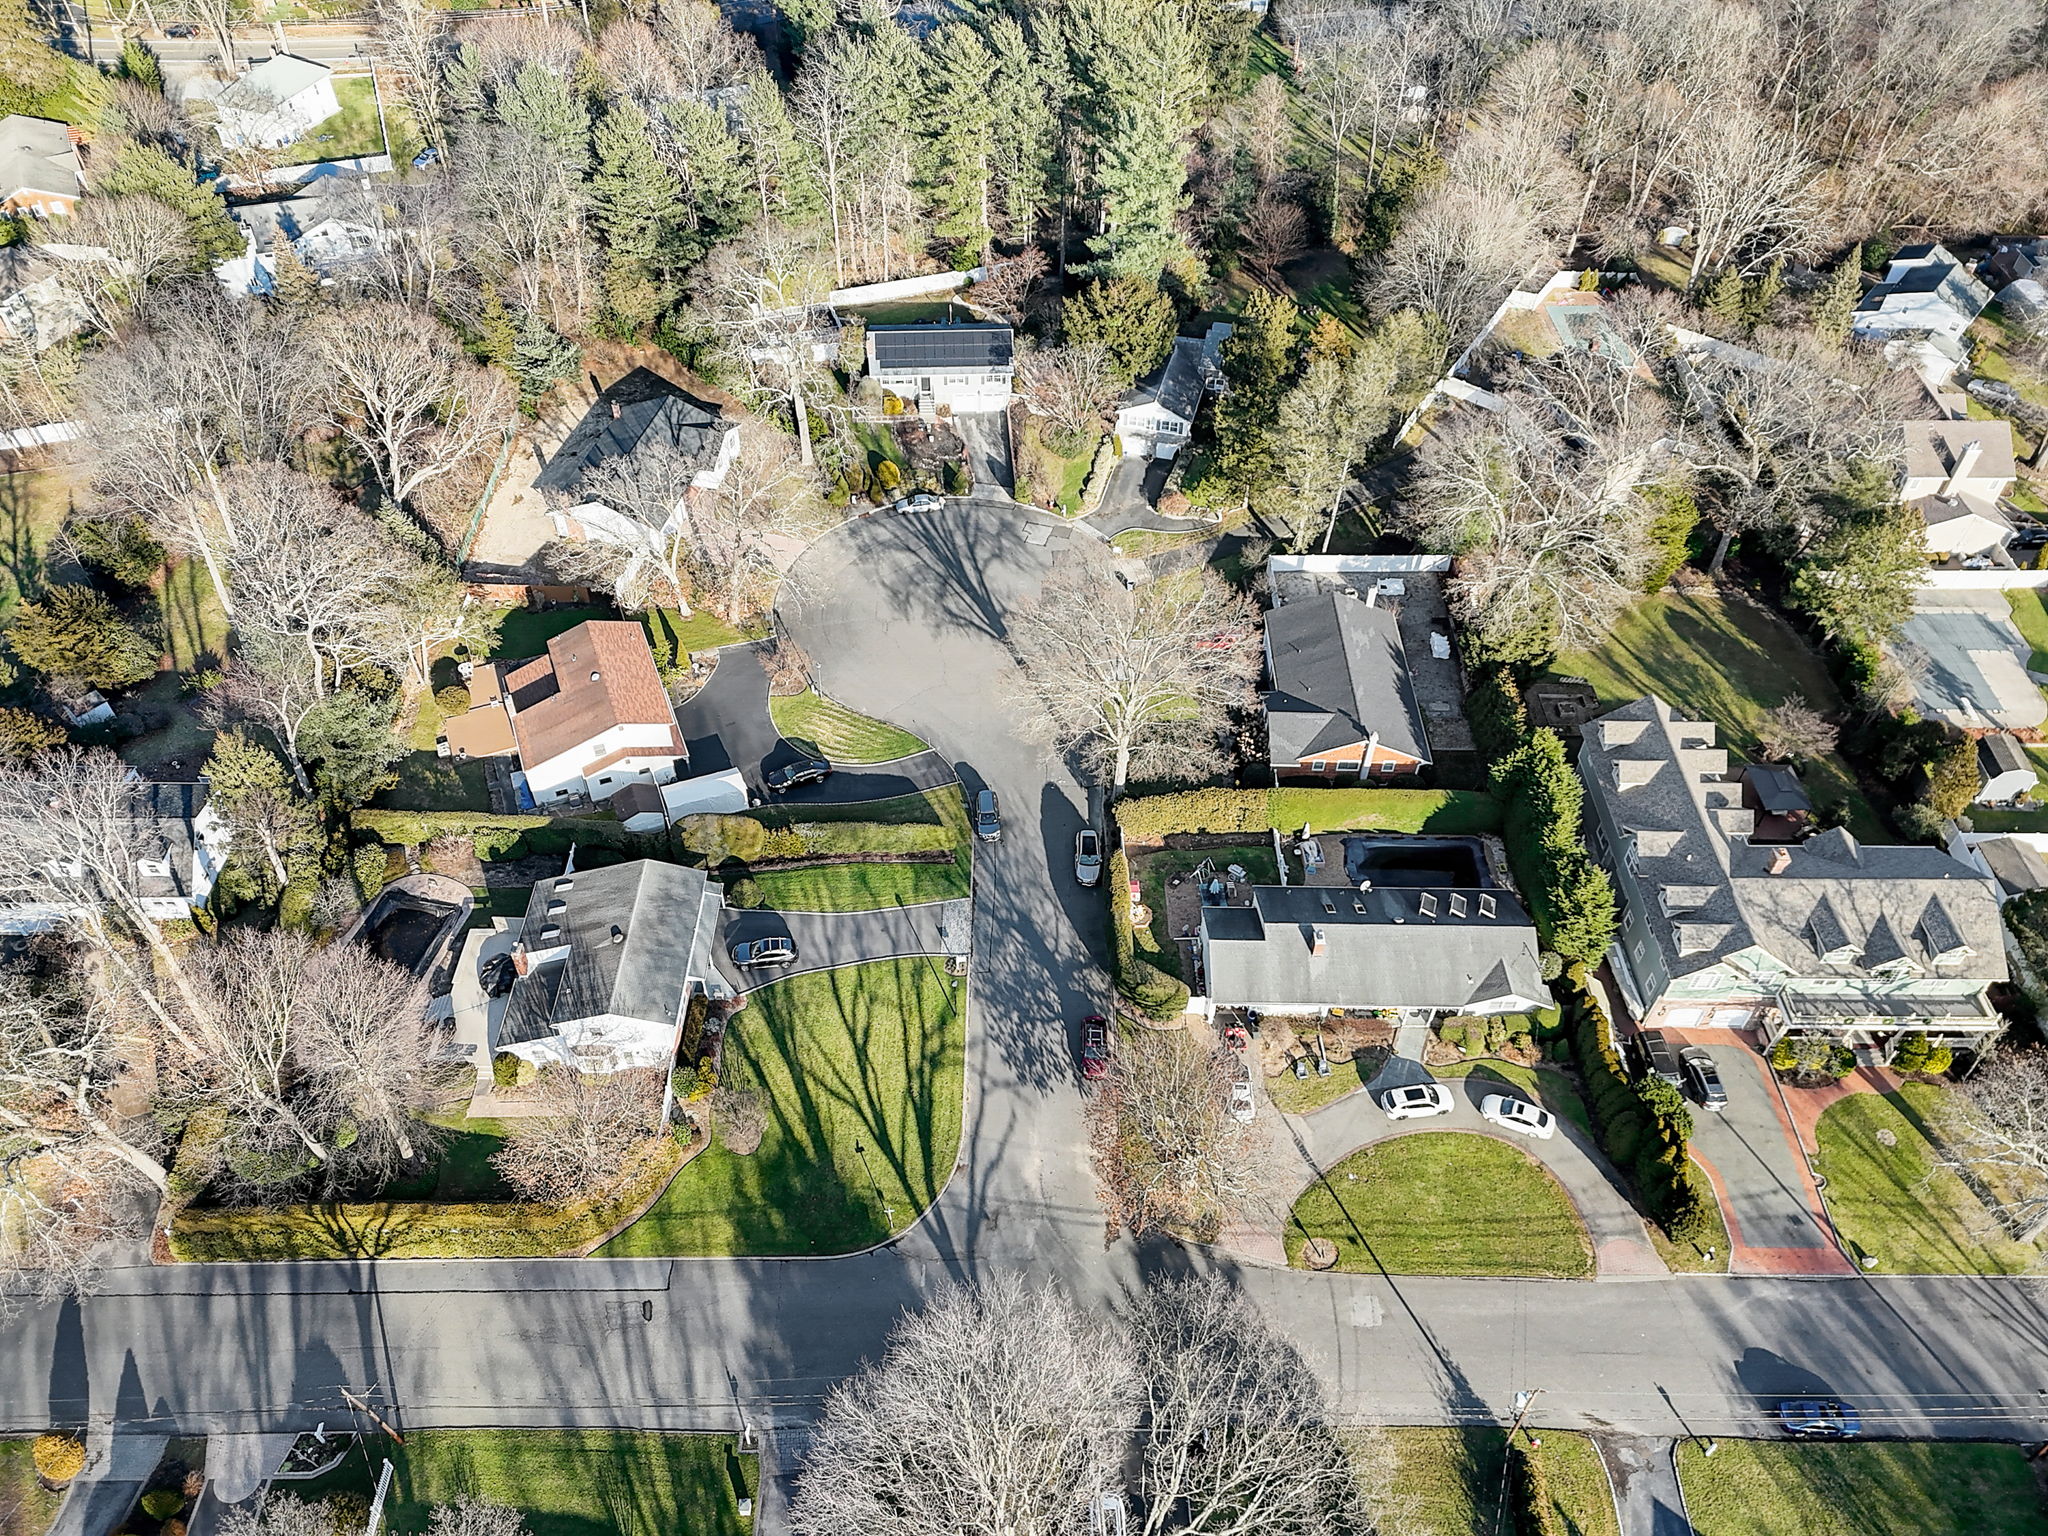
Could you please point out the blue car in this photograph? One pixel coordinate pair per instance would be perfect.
(425, 158)
(1811, 1418)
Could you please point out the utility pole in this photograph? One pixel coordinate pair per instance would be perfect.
(363, 1407)
(1523, 1402)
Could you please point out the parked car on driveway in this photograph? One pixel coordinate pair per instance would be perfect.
(1518, 1115)
(805, 770)
(776, 949)
(1094, 1046)
(1416, 1101)
(1088, 856)
(988, 821)
(1703, 1077)
(1657, 1057)
(1809, 1418)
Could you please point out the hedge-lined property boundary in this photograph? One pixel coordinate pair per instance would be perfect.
(502, 1229)
(1138, 981)
(496, 836)
(1448, 812)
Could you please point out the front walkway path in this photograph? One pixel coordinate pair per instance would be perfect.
(117, 1466)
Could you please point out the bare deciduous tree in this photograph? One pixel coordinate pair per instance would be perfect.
(1458, 253)
(641, 552)
(742, 531)
(1135, 677)
(590, 1125)
(761, 293)
(1070, 386)
(282, 1514)
(1996, 1134)
(471, 1516)
(410, 33)
(1794, 730)
(1007, 1397)
(59, 1219)
(1275, 230)
(741, 1114)
(145, 240)
(1007, 289)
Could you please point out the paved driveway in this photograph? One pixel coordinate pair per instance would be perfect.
(826, 940)
(987, 436)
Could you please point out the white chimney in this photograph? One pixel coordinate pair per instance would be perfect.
(1321, 946)
(1966, 462)
(1781, 860)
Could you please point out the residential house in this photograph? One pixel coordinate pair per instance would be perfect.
(1308, 949)
(1956, 474)
(178, 844)
(583, 721)
(606, 963)
(1342, 701)
(641, 415)
(1861, 944)
(40, 173)
(274, 104)
(964, 368)
(1925, 292)
(2013, 258)
(2017, 861)
(43, 291)
(332, 226)
(2004, 768)
(651, 807)
(1784, 813)
(1155, 418)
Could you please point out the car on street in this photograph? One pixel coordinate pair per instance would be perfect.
(1242, 1105)
(805, 770)
(1518, 1115)
(182, 29)
(1703, 1077)
(776, 949)
(988, 820)
(1416, 1101)
(1094, 1046)
(1819, 1418)
(923, 501)
(1657, 1057)
(1087, 856)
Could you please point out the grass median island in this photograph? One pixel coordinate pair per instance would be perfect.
(1449, 1482)
(565, 1482)
(837, 732)
(1443, 1203)
(861, 887)
(1783, 1488)
(1897, 1203)
(860, 1070)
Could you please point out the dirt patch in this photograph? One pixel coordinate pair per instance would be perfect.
(1368, 1042)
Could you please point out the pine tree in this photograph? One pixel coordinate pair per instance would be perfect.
(497, 336)
(71, 631)
(956, 125)
(1140, 78)
(293, 284)
(139, 64)
(780, 165)
(1028, 88)
(541, 357)
(1764, 293)
(713, 190)
(543, 106)
(1728, 299)
(1834, 307)
(805, 22)
(146, 171)
(631, 191)
(1132, 318)
(1258, 360)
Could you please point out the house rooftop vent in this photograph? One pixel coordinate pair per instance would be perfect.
(1328, 904)
(1426, 905)
(558, 905)
(1486, 906)
(551, 932)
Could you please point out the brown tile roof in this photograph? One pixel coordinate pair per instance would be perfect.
(598, 675)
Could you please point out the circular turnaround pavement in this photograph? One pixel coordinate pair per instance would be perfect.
(905, 618)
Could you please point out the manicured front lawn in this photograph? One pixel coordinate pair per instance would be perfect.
(1306, 1095)
(945, 807)
(1450, 1482)
(1896, 1202)
(861, 887)
(836, 732)
(701, 631)
(565, 1482)
(2030, 617)
(351, 132)
(1443, 1203)
(861, 1072)
(1154, 870)
(463, 1169)
(1779, 1488)
(26, 1507)
(1548, 1088)
(1725, 660)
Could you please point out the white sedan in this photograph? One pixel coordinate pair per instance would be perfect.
(1518, 1115)
(1416, 1101)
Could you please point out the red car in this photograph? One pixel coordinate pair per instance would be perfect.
(1094, 1046)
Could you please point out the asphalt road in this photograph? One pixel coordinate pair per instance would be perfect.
(906, 622)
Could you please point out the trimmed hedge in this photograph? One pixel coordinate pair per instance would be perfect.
(1446, 811)
(498, 837)
(418, 1229)
(1141, 983)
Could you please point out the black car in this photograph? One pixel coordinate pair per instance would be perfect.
(1704, 1078)
(773, 950)
(988, 822)
(805, 770)
(1656, 1057)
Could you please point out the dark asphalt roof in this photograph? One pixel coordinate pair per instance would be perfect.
(1387, 947)
(630, 934)
(651, 413)
(1999, 753)
(911, 348)
(1340, 674)
(1778, 790)
(1176, 385)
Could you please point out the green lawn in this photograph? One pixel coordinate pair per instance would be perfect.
(26, 1509)
(1895, 1202)
(195, 623)
(351, 132)
(1725, 660)
(1779, 1488)
(2031, 818)
(879, 441)
(429, 782)
(861, 1068)
(463, 1171)
(836, 732)
(701, 631)
(2030, 617)
(861, 887)
(1443, 1203)
(944, 807)
(33, 506)
(566, 1482)
(1550, 1088)
(1448, 1482)
(1306, 1095)
(1155, 869)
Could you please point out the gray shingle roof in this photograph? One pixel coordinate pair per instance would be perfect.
(273, 82)
(979, 346)
(1176, 385)
(1389, 947)
(1340, 674)
(633, 933)
(1663, 784)
(651, 413)
(1778, 789)
(37, 155)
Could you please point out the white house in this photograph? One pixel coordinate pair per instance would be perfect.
(1956, 472)
(964, 368)
(606, 963)
(330, 227)
(650, 807)
(177, 846)
(584, 721)
(275, 104)
(1926, 291)
(1156, 417)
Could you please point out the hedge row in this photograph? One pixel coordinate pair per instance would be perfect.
(497, 837)
(1643, 1126)
(743, 839)
(1141, 983)
(417, 1229)
(1445, 811)
(740, 837)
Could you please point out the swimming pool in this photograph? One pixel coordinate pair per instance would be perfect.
(1456, 863)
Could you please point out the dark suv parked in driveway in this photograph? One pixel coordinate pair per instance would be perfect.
(1657, 1057)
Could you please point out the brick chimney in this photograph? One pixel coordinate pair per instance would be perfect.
(1966, 462)
(1321, 946)
(1781, 860)
(615, 410)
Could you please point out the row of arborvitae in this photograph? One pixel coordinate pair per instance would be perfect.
(1139, 982)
